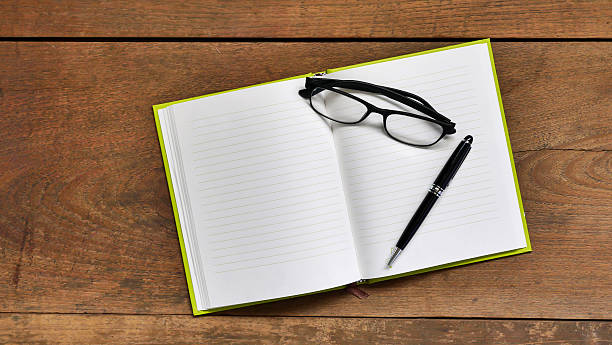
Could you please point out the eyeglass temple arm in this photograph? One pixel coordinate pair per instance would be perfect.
(410, 95)
(401, 96)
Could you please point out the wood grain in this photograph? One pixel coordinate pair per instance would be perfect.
(116, 329)
(86, 224)
(311, 19)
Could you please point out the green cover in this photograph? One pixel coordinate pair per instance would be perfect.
(157, 107)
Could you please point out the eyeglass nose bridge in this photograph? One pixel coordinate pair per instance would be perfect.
(376, 110)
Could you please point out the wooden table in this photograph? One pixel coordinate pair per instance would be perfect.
(88, 246)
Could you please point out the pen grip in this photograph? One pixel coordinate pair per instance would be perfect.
(417, 219)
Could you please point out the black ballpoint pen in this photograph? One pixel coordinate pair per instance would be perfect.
(435, 191)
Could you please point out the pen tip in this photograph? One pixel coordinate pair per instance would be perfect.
(394, 254)
(469, 139)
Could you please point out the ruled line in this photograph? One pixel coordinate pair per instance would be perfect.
(242, 252)
(281, 215)
(380, 176)
(445, 86)
(252, 140)
(282, 262)
(267, 177)
(420, 188)
(406, 86)
(245, 124)
(250, 172)
(260, 195)
(276, 223)
(255, 163)
(416, 201)
(390, 154)
(259, 130)
(262, 202)
(251, 148)
(451, 93)
(428, 224)
(357, 149)
(245, 110)
(416, 187)
(420, 164)
(455, 100)
(427, 232)
(299, 178)
(407, 77)
(446, 210)
(247, 117)
(386, 213)
(265, 154)
(335, 196)
(279, 254)
(242, 246)
(446, 195)
(399, 148)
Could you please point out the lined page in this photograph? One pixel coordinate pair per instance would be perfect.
(386, 181)
(270, 218)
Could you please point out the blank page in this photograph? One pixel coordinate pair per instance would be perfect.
(265, 211)
(385, 180)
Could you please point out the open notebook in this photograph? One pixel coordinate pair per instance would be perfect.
(273, 201)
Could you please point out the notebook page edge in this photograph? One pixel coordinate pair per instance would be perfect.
(159, 114)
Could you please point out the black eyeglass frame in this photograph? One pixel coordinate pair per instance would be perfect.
(316, 85)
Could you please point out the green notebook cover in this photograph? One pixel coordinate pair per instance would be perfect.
(157, 107)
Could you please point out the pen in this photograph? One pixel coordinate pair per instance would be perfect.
(435, 191)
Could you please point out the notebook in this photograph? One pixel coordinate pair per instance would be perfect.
(273, 201)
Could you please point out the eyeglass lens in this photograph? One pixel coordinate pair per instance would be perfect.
(341, 108)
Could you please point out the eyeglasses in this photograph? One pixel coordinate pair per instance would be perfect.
(337, 100)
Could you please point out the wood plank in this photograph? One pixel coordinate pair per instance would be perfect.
(316, 18)
(557, 93)
(172, 329)
(86, 223)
